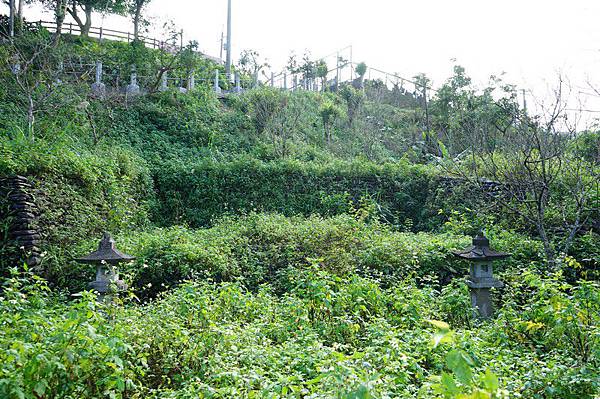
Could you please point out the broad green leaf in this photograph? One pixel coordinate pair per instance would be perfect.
(457, 362)
(490, 381)
(439, 324)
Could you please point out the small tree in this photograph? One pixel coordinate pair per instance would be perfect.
(285, 122)
(251, 65)
(542, 179)
(354, 101)
(322, 71)
(329, 112)
(29, 64)
(308, 70)
(163, 62)
(59, 8)
(60, 12)
(18, 11)
(135, 9)
(361, 70)
(88, 7)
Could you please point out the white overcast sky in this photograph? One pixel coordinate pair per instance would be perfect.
(530, 40)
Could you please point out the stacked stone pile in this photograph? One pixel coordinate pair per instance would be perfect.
(490, 187)
(22, 213)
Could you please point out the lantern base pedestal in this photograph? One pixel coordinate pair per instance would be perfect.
(481, 298)
(481, 301)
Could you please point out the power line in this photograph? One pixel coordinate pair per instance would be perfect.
(582, 110)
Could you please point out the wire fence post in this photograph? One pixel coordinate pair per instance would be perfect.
(238, 86)
(217, 87)
(191, 83)
(164, 81)
(98, 88)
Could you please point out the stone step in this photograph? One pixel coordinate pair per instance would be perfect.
(20, 197)
(23, 233)
(28, 237)
(24, 216)
(22, 206)
(27, 242)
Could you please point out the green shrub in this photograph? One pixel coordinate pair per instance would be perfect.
(79, 193)
(328, 337)
(201, 191)
(271, 249)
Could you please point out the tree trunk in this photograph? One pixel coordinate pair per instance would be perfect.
(85, 29)
(20, 12)
(14, 8)
(59, 13)
(136, 22)
(75, 15)
(548, 250)
(541, 227)
(30, 116)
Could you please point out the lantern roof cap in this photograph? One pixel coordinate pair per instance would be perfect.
(106, 252)
(480, 250)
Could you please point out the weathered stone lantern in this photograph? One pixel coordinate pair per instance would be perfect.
(106, 257)
(481, 279)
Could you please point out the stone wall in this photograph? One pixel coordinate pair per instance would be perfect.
(19, 216)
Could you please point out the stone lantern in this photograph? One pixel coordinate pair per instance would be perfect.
(106, 257)
(481, 279)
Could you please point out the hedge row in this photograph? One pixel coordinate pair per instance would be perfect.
(197, 193)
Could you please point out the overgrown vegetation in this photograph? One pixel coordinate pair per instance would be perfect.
(325, 337)
(291, 244)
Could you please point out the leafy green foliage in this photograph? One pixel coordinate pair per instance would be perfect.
(78, 192)
(271, 249)
(287, 265)
(198, 192)
(354, 100)
(329, 112)
(325, 337)
(361, 69)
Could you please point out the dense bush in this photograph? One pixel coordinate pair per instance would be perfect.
(290, 263)
(327, 337)
(272, 249)
(200, 191)
(79, 192)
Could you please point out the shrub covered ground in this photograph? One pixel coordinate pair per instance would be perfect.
(288, 245)
(326, 337)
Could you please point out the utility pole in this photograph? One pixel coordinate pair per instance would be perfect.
(351, 66)
(524, 102)
(11, 21)
(228, 60)
(426, 106)
(337, 71)
(222, 44)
